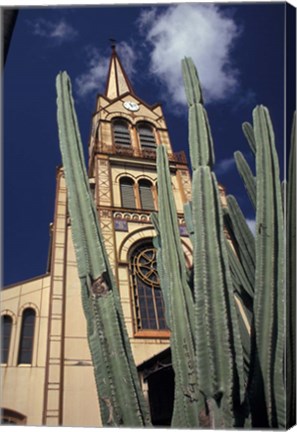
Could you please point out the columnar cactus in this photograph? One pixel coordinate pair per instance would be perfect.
(178, 301)
(219, 356)
(120, 395)
(238, 291)
(291, 283)
(268, 333)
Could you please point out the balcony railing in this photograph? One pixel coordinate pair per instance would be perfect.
(128, 151)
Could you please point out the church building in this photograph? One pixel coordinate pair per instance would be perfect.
(46, 369)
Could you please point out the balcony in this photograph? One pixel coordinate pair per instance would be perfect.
(121, 150)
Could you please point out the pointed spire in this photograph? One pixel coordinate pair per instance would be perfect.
(117, 80)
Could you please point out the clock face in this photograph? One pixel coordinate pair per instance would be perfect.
(131, 106)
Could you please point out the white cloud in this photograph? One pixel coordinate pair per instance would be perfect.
(128, 58)
(198, 31)
(94, 78)
(252, 225)
(224, 166)
(59, 31)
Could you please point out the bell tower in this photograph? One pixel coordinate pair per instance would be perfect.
(122, 170)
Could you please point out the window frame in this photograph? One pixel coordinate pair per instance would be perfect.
(124, 122)
(133, 186)
(13, 417)
(139, 331)
(147, 145)
(152, 194)
(3, 316)
(22, 337)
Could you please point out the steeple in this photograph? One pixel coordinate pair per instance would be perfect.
(117, 80)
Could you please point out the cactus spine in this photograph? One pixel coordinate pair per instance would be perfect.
(120, 396)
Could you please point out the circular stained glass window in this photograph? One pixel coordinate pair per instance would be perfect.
(146, 266)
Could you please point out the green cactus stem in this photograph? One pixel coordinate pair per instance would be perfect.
(189, 219)
(199, 127)
(244, 241)
(268, 334)
(218, 346)
(178, 301)
(247, 176)
(119, 393)
(250, 136)
(291, 282)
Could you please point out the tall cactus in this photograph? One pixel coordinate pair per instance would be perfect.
(218, 347)
(178, 302)
(246, 280)
(291, 282)
(120, 395)
(268, 308)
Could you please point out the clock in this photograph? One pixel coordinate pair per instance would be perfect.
(131, 106)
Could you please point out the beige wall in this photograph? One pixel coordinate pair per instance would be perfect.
(22, 384)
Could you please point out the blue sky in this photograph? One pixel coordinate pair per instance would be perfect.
(237, 48)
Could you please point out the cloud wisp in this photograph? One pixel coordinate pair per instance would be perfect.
(56, 31)
(91, 79)
(94, 77)
(199, 31)
(224, 166)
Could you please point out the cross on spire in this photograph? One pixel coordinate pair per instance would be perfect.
(112, 43)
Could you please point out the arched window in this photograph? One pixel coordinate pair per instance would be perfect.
(127, 193)
(149, 303)
(27, 336)
(6, 327)
(146, 195)
(121, 133)
(146, 136)
(11, 417)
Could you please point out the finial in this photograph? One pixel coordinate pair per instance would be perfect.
(112, 43)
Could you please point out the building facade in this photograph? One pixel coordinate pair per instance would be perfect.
(47, 374)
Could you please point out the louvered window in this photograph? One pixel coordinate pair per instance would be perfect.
(127, 193)
(6, 327)
(146, 136)
(27, 336)
(146, 195)
(121, 133)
